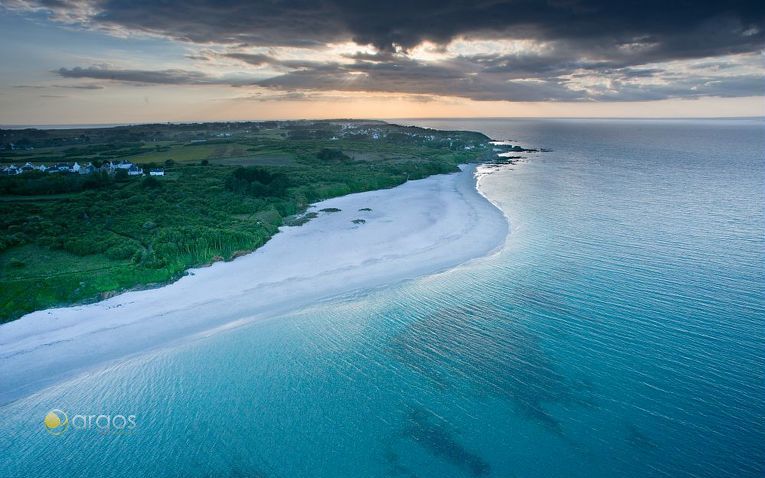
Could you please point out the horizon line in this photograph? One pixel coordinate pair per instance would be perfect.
(405, 118)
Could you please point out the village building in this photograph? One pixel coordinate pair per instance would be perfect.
(134, 170)
(75, 168)
(11, 170)
(88, 169)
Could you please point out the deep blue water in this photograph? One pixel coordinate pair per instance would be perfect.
(620, 332)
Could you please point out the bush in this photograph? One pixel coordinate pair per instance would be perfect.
(37, 183)
(257, 182)
(121, 175)
(121, 251)
(150, 182)
(82, 246)
(328, 154)
(96, 180)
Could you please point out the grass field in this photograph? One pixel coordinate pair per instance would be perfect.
(35, 277)
(37, 198)
(258, 159)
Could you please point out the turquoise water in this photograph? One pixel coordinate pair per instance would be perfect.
(620, 332)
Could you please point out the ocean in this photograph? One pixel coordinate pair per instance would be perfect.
(619, 332)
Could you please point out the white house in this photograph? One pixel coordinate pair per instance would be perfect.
(60, 168)
(157, 172)
(88, 169)
(134, 170)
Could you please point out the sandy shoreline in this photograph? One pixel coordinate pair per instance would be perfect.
(419, 228)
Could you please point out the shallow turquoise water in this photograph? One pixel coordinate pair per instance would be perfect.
(620, 332)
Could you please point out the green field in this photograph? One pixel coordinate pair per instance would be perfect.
(68, 238)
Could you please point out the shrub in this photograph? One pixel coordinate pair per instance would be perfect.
(328, 154)
(121, 251)
(121, 175)
(150, 182)
(258, 182)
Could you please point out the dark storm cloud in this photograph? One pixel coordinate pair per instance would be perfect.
(470, 78)
(72, 87)
(267, 60)
(619, 42)
(162, 77)
(451, 78)
(80, 87)
(688, 88)
(460, 77)
(252, 59)
(675, 29)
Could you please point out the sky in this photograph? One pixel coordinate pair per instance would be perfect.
(137, 61)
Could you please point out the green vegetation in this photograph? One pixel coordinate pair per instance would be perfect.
(67, 238)
(299, 219)
(328, 154)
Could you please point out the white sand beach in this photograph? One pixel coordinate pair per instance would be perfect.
(419, 228)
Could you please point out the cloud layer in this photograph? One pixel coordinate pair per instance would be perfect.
(676, 29)
(523, 50)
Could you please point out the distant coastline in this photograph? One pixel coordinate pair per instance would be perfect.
(62, 126)
(391, 120)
